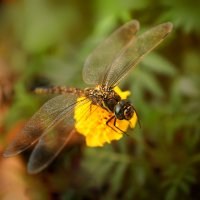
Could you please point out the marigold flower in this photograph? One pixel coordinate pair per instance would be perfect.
(91, 122)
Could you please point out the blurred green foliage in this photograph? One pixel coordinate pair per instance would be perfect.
(48, 41)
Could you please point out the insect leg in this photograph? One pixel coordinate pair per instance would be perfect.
(107, 123)
(118, 127)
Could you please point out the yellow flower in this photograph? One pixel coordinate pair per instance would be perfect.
(91, 122)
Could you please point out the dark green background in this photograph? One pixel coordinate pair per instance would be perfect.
(46, 42)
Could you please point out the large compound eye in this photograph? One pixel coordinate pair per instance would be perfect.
(119, 111)
(128, 112)
(111, 103)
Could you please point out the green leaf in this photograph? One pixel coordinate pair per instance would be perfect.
(183, 13)
(159, 64)
(148, 82)
(184, 187)
(24, 105)
(117, 177)
(171, 194)
(186, 86)
(40, 25)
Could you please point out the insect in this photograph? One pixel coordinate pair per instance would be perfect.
(108, 64)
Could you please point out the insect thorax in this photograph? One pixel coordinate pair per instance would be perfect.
(105, 97)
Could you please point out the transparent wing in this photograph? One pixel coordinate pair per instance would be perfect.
(50, 145)
(134, 52)
(98, 63)
(51, 113)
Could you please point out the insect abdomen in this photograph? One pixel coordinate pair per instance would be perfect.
(58, 90)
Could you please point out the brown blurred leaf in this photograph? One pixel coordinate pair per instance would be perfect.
(12, 183)
(15, 130)
(15, 183)
(6, 82)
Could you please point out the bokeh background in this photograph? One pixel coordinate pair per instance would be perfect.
(45, 42)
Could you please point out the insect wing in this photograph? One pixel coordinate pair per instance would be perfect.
(134, 51)
(50, 145)
(98, 63)
(51, 113)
